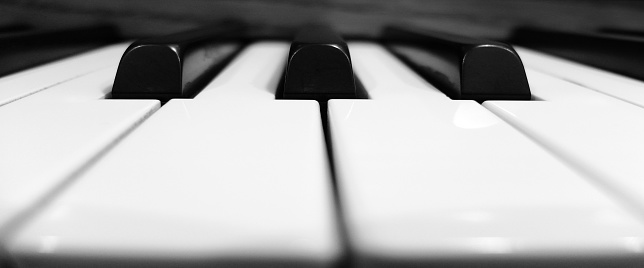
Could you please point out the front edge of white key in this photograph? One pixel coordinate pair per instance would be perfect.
(452, 183)
(215, 182)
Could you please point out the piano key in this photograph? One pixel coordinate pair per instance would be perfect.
(22, 49)
(550, 88)
(177, 65)
(30, 81)
(319, 66)
(205, 181)
(261, 62)
(447, 182)
(380, 71)
(603, 139)
(46, 144)
(618, 86)
(461, 67)
(613, 52)
(570, 105)
(621, 31)
(94, 86)
(14, 27)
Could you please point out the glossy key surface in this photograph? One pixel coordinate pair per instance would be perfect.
(618, 86)
(253, 75)
(45, 144)
(599, 135)
(209, 181)
(93, 86)
(30, 81)
(425, 180)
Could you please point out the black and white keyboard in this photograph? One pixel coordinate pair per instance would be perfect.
(236, 177)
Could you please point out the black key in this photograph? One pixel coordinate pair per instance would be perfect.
(461, 67)
(22, 47)
(15, 28)
(177, 65)
(620, 32)
(620, 52)
(319, 67)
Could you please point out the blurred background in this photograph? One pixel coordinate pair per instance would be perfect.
(489, 18)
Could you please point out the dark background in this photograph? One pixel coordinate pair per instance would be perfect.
(487, 18)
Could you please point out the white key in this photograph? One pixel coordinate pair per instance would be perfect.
(216, 181)
(30, 81)
(604, 140)
(450, 181)
(254, 74)
(550, 88)
(93, 86)
(386, 77)
(621, 87)
(430, 181)
(45, 144)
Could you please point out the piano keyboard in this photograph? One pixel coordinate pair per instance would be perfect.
(236, 177)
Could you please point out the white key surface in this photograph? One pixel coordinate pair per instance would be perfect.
(203, 180)
(452, 181)
(603, 139)
(30, 81)
(211, 181)
(254, 74)
(618, 86)
(545, 87)
(386, 77)
(93, 86)
(437, 180)
(45, 144)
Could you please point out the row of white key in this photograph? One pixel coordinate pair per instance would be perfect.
(621, 87)
(235, 176)
(57, 127)
(424, 179)
(46, 139)
(218, 179)
(22, 84)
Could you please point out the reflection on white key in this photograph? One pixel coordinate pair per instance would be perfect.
(43, 144)
(618, 86)
(430, 181)
(211, 181)
(417, 185)
(30, 81)
(603, 139)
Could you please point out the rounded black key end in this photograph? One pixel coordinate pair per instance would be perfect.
(492, 72)
(148, 70)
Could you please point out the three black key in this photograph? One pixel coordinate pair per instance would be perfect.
(175, 66)
(319, 67)
(461, 67)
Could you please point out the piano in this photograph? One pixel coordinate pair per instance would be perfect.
(236, 176)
